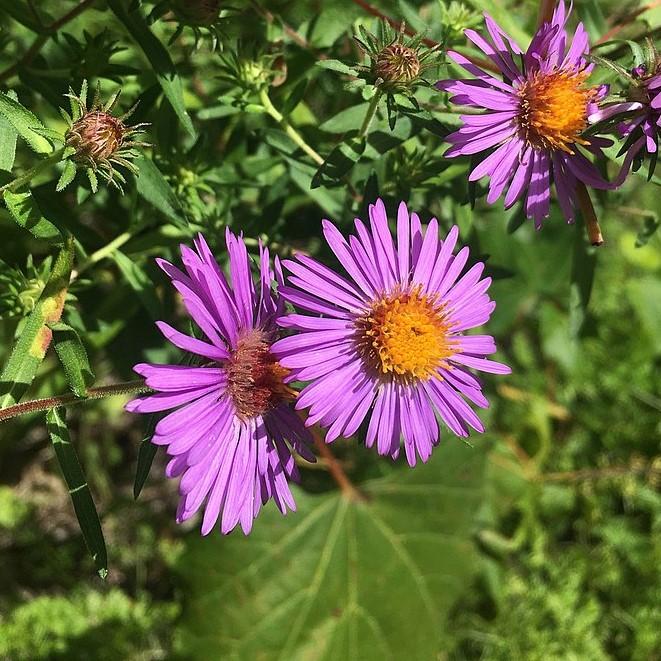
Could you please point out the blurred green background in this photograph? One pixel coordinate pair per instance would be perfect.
(537, 540)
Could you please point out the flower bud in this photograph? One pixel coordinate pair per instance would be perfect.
(96, 137)
(397, 63)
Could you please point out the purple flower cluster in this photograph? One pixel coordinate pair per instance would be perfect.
(535, 116)
(384, 344)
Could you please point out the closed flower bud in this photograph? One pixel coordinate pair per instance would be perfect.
(96, 137)
(397, 63)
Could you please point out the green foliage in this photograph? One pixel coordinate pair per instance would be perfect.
(540, 540)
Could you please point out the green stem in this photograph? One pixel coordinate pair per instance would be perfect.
(369, 116)
(47, 403)
(26, 178)
(287, 127)
(104, 252)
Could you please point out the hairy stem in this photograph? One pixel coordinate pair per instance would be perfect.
(287, 127)
(26, 178)
(47, 403)
(335, 468)
(587, 209)
(369, 115)
(48, 31)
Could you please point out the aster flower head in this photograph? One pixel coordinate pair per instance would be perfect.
(387, 344)
(536, 114)
(231, 428)
(637, 117)
(98, 141)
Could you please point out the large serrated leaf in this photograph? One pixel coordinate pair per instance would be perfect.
(32, 344)
(158, 57)
(340, 579)
(25, 123)
(83, 504)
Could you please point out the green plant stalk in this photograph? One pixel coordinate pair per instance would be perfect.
(100, 392)
(287, 127)
(26, 178)
(369, 115)
(103, 252)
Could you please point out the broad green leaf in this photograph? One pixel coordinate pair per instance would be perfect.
(348, 119)
(301, 175)
(8, 137)
(154, 188)
(25, 123)
(158, 57)
(73, 356)
(81, 497)
(32, 344)
(25, 210)
(340, 579)
(139, 282)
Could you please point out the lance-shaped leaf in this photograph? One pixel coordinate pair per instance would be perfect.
(146, 454)
(158, 57)
(341, 159)
(25, 123)
(154, 188)
(25, 210)
(32, 344)
(8, 137)
(341, 578)
(81, 497)
(139, 282)
(73, 357)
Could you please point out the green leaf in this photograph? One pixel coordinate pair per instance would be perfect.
(340, 579)
(8, 137)
(158, 57)
(25, 210)
(348, 119)
(139, 282)
(644, 295)
(295, 97)
(83, 504)
(338, 163)
(336, 65)
(154, 188)
(21, 13)
(146, 453)
(33, 342)
(25, 123)
(73, 356)
(68, 175)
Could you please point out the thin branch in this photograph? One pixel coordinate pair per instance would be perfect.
(48, 31)
(587, 209)
(47, 403)
(335, 467)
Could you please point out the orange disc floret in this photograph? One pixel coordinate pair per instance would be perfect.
(554, 109)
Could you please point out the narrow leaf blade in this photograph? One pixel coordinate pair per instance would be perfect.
(81, 496)
(73, 356)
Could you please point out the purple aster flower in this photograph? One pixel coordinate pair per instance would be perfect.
(388, 342)
(640, 113)
(535, 116)
(232, 426)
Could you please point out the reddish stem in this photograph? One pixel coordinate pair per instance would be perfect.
(587, 209)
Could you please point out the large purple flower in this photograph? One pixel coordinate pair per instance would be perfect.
(230, 433)
(389, 343)
(535, 116)
(638, 117)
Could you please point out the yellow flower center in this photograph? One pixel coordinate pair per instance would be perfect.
(554, 109)
(406, 335)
